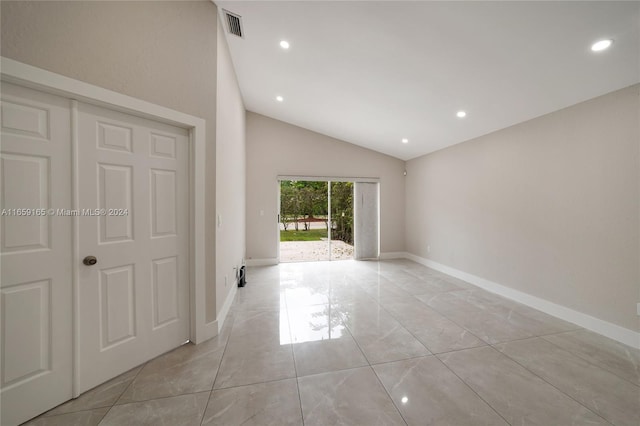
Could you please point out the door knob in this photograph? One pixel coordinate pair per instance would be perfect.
(90, 260)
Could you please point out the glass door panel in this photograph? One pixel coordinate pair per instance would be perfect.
(303, 221)
(341, 220)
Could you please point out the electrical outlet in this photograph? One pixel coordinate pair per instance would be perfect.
(428, 249)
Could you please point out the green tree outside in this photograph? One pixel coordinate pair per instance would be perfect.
(306, 202)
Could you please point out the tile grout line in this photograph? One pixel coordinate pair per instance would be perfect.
(473, 390)
(104, 415)
(300, 400)
(405, 327)
(502, 298)
(487, 343)
(250, 384)
(356, 342)
(293, 355)
(552, 385)
(449, 319)
(123, 392)
(404, 359)
(493, 346)
(204, 412)
(375, 373)
(159, 398)
(541, 335)
(42, 416)
(589, 361)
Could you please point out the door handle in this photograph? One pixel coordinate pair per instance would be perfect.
(90, 260)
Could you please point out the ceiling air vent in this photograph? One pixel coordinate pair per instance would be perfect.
(234, 23)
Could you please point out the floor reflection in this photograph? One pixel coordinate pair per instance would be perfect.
(313, 323)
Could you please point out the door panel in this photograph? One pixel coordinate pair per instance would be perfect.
(25, 233)
(303, 229)
(163, 203)
(115, 192)
(117, 306)
(341, 220)
(134, 301)
(366, 218)
(35, 252)
(26, 353)
(165, 287)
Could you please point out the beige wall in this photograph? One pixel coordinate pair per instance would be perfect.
(277, 148)
(230, 172)
(549, 207)
(163, 52)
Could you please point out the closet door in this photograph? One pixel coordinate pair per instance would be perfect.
(134, 300)
(35, 254)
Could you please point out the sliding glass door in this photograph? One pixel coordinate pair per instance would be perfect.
(341, 230)
(303, 221)
(315, 221)
(367, 219)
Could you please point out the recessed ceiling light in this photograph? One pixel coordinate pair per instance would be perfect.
(405, 140)
(279, 98)
(404, 400)
(284, 44)
(601, 45)
(461, 114)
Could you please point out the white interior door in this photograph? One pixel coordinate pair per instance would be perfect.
(35, 285)
(366, 213)
(134, 301)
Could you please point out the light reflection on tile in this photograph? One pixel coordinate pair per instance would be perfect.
(310, 332)
(313, 323)
(267, 327)
(304, 296)
(328, 355)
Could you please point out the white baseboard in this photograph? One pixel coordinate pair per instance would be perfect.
(212, 329)
(394, 255)
(209, 331)
(262, 262)
(605, 328)
(222, 316)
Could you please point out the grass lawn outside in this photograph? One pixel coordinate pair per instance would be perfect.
(310, 235)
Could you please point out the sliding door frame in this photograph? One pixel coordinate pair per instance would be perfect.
(327, 179)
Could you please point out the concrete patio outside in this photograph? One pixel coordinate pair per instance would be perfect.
(312, 251)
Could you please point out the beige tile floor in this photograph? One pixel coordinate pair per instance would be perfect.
(374, 343)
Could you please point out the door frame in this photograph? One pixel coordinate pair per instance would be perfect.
(329, 179)
(32, 77)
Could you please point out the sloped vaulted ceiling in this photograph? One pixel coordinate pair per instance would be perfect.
(373, 73)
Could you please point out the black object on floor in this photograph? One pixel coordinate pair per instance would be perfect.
(241, 278)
